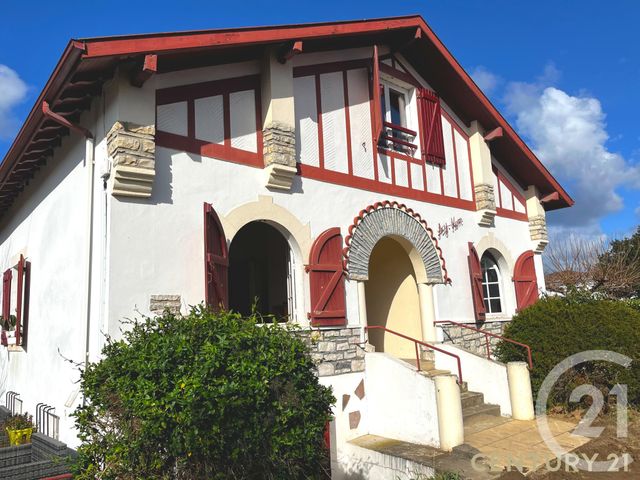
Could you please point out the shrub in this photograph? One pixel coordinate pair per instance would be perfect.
(19, 421)
(557, 327)
(208, 395)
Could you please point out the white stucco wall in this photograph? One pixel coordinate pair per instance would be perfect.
(152, 246)
(401, 403)
(48, 226)
(158, 243)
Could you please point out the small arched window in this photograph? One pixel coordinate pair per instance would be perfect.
(491, 284)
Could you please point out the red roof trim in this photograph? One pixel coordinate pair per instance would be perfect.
(65, 67)
(77, 50)
(163, 42)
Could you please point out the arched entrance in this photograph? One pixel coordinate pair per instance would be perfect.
(260, 273)
(392, 298)
(395, 259)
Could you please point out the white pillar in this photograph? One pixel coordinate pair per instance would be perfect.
(450, 421)
(427, 312)
(362, 308)
(520, 391)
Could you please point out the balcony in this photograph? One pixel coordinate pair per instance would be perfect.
(398, 139)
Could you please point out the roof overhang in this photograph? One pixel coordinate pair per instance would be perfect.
(87, 63)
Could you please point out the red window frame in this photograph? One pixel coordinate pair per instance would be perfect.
(189, 143)
(504, 212)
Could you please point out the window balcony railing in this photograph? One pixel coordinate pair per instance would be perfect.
(398, 138)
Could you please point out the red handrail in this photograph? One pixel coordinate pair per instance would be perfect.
(418, 342)
(489, 334)
(400, 128)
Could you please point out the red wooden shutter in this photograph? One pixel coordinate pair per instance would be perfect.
(375, 93)
(431, 138)
(525, 281)
(6, 295)
(326, 279)
(19, 300)
(216, 260)
(475, 272)
(26, 293)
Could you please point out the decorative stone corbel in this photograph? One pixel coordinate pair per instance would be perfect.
(537, 220)
(482, 176)
(279, 142)
(132, 150)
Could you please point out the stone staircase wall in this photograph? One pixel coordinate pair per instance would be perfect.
(43, 457)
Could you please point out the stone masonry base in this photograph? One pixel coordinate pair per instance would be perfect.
(471, 341)
(335, 351)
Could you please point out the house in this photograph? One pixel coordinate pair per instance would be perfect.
(347, 175)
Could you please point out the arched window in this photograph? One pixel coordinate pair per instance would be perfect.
(491, 284)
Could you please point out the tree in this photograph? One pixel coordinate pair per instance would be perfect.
(594, 265)
(208, 395)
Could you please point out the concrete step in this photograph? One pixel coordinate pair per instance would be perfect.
(459, 461)
(471, 399)
(482, 409)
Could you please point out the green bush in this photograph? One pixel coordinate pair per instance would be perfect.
(208, 395)
(557, 327)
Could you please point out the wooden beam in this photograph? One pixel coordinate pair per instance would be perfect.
(416, 36)
(552, 197)
(150, 67)
(493, 134)
(289, 51)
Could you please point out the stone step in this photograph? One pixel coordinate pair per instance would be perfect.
(471, 399)
(482, 409)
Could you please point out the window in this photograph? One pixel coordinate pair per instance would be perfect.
(397, 135)
(15, 303)
(491, 289)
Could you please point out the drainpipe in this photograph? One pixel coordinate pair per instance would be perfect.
(90, 153)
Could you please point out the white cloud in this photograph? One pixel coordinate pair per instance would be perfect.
(568, 133)
(12, 91)
(486, 80)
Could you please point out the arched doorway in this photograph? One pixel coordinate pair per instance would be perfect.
(260, 272)
(392, 298)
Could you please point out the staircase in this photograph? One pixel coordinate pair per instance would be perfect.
(473, 405)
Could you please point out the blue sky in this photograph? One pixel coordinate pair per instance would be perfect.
(566, 74)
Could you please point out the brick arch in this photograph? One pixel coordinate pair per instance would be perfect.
(395, 220)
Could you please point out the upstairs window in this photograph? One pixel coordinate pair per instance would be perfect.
(394, 124)
(396, 134)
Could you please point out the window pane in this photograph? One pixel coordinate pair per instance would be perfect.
(494, 290)
(486, 306)
(495, 305)
(492, 275)
(485, 294)
(394, 100)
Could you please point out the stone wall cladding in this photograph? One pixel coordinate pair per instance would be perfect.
(470, 340)
(279, 144)
(132, 149)
(538, 228)
(335, 351)
(158, 304)
(485, 197)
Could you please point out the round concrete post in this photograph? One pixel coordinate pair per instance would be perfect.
(520, 391)
(449, 404)
(427, 312)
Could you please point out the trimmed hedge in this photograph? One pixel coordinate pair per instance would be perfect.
(557, 327)
(207, 395)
